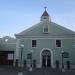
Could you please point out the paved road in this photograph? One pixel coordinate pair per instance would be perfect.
(6, 70)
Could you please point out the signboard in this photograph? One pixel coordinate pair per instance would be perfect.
(10, 56)
(65, 55)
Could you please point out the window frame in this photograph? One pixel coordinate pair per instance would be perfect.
(56, 45)
(45, 26)
(32, 44)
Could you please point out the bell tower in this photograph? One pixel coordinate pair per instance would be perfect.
(45, 16)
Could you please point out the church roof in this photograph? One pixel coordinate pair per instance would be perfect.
(54, 29)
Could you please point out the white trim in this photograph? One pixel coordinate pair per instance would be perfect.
(16, 54)
(52, 65)
(9, 43)
(46, 38)
(17, 49)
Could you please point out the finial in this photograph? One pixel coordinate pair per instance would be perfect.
(45, 8)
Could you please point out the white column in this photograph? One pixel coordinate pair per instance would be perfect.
(17, 49)
(16, 54)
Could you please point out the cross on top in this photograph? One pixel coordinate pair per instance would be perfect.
(45, 8)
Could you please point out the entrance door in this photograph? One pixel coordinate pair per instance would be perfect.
(43, 61)
(46, 59)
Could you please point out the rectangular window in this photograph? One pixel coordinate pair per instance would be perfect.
(33, 43)
(58, 43)
(45, 29)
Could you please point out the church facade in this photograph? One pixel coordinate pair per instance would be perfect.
(45, 44)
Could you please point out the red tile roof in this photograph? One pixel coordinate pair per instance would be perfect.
(45, 13)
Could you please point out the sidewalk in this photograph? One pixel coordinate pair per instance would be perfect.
(8, 70)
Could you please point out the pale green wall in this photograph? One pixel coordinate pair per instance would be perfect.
(67, 45)
(48, 40)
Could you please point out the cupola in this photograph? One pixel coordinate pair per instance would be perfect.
(45, 16)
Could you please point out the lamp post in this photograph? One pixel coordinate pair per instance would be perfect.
(63, 70)
(22, 46)
(20, 69)
(31, 66)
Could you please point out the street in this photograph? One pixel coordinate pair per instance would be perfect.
(8, 70)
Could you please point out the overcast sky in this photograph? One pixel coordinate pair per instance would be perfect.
(18, 15)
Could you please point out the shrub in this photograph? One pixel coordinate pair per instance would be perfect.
(57, 64)
(68, 64)
(34, 63)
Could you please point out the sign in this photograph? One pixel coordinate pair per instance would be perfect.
(10, 56)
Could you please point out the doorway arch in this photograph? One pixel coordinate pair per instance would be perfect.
(46, 55)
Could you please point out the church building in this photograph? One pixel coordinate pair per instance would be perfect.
(45, 44)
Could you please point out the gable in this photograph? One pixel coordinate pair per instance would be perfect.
(58, 29)
(54, 29)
